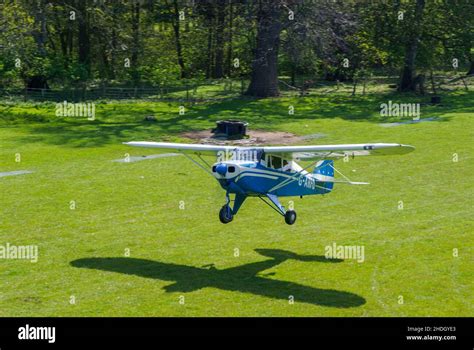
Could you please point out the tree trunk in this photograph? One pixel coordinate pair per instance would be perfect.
(433, 85)
(62, 39)
(40, 36)
(293, 74)
(136, 41)
(219, 63)
(229, 39)
(177, 36)
(112, 56)
(70, 40)
(264, 79)
(40, 33)
(471, 68)
(83, 37)
(210, 57)
(408, 71)
(209, 14)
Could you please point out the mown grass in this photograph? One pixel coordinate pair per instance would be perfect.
(135, 208)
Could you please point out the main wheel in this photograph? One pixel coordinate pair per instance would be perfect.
(225, 214)
(290, 217)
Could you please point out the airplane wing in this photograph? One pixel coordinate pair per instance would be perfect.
(338, 151)
(184, 147)
(288, 152)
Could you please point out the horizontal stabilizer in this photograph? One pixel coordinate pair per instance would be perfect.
(349, 182)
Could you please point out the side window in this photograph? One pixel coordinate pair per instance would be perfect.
(276, 162)
(270, 162)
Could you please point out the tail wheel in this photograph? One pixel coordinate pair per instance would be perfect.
(290, 217)
(225, 214)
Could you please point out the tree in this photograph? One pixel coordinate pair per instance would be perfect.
(220, 27)
(230, 28)
(407, 77)
(175, 22)
(38, 79)
(83, 42)
(264, 78)
(136, 40)
(48, 43)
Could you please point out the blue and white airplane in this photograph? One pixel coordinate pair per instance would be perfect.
(272, 172)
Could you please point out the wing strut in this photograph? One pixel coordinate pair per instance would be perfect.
(276, 203)
(348, 181)
(290, 180)
(197, 163)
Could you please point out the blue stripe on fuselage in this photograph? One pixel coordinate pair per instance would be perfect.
(260, 180)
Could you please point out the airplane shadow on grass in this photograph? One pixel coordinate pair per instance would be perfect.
(242, 278)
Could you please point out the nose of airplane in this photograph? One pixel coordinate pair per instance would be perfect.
(221, 169)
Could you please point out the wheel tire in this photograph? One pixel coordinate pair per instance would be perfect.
(225, 214)
(290, 217)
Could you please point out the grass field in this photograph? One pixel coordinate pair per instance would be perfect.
(127, 249)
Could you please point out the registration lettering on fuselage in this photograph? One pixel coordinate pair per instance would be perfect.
(307, 182)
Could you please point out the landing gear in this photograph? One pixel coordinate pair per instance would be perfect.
(290, 217)
(225, 214)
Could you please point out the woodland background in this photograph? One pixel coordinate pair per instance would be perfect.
(267, 46)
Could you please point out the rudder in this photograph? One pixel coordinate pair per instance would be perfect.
(324, 173)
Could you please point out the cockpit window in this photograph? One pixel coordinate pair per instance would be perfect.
(276, 162)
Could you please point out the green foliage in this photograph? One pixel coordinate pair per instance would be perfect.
(371, 34)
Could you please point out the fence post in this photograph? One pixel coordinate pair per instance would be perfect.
(464, 82)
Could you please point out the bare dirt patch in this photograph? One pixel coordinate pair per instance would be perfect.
(254, 138)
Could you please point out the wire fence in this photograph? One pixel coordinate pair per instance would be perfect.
(215, 90)
(224, 89)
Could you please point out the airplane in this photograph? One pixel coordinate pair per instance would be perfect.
(270, 172)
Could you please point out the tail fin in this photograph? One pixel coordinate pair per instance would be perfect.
(324, 170)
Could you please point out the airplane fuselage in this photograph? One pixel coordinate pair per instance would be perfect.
(253, 179)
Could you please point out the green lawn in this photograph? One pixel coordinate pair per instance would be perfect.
(174, 253)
